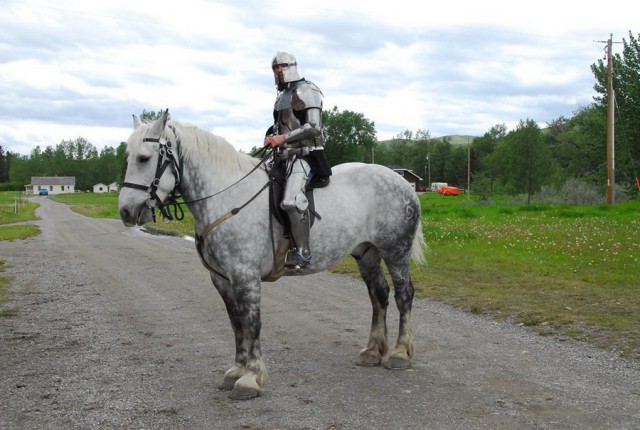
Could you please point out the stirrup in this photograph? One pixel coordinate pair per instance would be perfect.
(295, 260)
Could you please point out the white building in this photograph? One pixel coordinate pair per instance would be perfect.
(53, 184)
(100, 188)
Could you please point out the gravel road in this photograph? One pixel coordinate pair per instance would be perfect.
(121, 329)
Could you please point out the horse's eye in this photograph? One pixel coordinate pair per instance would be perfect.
(143, 159)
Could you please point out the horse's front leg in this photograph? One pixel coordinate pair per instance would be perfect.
(373, 276)
(247, 377)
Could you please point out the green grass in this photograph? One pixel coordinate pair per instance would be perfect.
(4, 300)
(15, 232)
(571, 271)
(15, 209)
(560, 270)
(94, 205)
(105, 205)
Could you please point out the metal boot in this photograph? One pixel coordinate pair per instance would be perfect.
(300, 256)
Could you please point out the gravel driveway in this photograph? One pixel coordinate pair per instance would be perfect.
(121, 329)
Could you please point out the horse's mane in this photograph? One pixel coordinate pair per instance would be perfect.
(209, 150)
(202, 148)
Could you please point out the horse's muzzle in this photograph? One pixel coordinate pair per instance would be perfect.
(140, 216)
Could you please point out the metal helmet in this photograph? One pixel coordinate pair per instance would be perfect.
(290, 69)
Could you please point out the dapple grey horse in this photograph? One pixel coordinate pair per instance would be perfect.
(367, 211)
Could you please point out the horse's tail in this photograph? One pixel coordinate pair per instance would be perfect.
(418, 246)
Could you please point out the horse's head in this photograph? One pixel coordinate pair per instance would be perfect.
(152, 171)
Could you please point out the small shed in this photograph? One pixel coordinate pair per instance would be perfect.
(100, 188)
(53, 184)
(113, 187)
(411, 177)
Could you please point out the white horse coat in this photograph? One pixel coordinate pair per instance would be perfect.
(367, 211)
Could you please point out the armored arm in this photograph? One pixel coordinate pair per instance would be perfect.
(306, 103)
(310, 131)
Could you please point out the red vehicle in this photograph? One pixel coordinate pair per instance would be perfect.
(449, 191)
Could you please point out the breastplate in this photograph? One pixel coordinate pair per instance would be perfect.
(285, 114)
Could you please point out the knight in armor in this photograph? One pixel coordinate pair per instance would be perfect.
(297, 139)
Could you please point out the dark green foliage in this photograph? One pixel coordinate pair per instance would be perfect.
(150, 116)
(626, 84)
(348, 135)
(4, 168)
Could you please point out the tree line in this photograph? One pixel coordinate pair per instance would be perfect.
(519, 161)
(77, 158)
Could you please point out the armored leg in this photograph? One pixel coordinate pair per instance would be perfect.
(296, 205)
(300, 233)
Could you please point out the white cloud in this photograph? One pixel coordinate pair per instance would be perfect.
(41, 133)
(82, 68)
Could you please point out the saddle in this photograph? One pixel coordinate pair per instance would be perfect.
(276, 193)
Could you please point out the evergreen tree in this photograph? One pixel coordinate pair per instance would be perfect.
(483, 160)
(524, 161)
(4, 174)
(579, 145)
(626, 86)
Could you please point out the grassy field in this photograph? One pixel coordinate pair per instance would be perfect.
(571, 271)
(96, 205)
(5, 309)
(14, 210)
(567, 271)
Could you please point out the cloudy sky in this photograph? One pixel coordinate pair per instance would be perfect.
(72, 69)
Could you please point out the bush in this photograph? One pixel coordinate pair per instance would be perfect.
(11, 186)
(574, 192)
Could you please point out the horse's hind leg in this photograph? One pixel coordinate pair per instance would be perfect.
(401, 356)
(247, 377)
(373, 276)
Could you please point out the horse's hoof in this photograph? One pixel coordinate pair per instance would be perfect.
(245, 388)
(243, 393)
(398, 363)
(368, 360)
(227, 384)
(369, 357)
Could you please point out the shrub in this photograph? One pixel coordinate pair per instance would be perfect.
(574, 192)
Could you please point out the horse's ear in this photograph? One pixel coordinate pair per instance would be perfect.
(159, 125)
(136, 122)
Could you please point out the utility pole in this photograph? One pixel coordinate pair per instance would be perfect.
(611, 175)
(429, 165)
(468, 168)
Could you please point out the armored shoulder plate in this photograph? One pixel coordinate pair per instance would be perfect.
(306, 95)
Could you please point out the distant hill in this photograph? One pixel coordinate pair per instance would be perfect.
(455, 139)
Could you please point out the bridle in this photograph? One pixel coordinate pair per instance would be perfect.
(166, 159)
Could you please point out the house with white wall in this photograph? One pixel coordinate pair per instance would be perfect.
(53, 184)
(100, 188)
